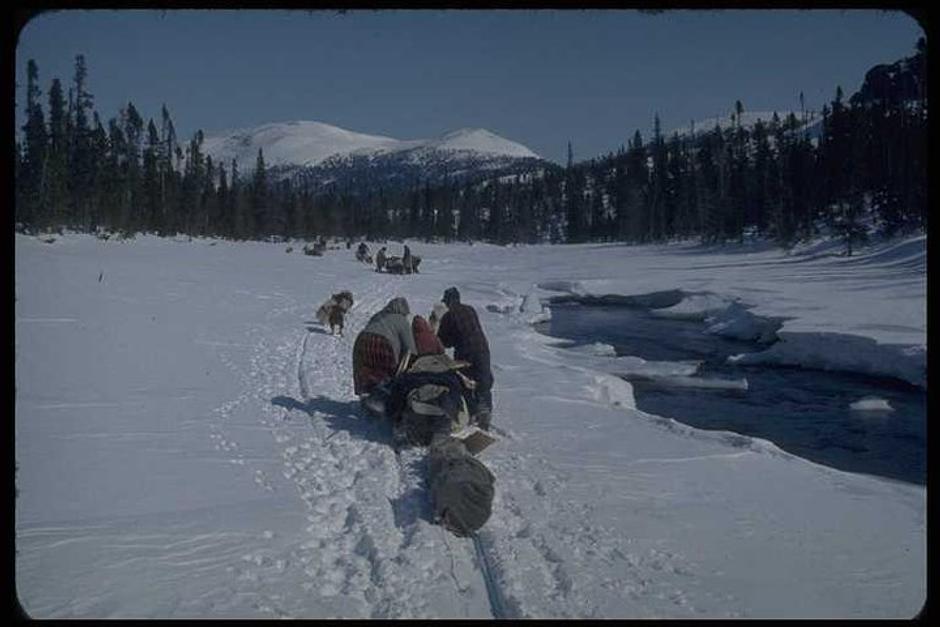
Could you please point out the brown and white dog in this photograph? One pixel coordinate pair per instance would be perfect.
(333, 311)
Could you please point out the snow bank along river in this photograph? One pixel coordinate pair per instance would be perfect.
(833, 418)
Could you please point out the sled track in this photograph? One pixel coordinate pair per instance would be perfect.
(369, 548)
(357, 547)
(300, 368)
(392, 552)
(494, 595)
(497, 607)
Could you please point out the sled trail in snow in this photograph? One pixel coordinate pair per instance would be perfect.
(370, 538)
(372, 504)
(369, 548)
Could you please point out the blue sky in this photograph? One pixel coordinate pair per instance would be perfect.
(541, 78)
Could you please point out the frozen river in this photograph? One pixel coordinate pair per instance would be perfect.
(806, 412)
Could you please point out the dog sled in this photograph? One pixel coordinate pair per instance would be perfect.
(427, 406)
(363, 254)
(316, 250)
(427, 398)
(396, 265)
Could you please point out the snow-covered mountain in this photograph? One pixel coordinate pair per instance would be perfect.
(478, 141)
(323, 154)
(299, 143)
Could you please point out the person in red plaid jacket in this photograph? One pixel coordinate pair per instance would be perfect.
(380, 346)
(460, 329)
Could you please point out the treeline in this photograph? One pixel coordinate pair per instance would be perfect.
(127, 176)
(780, 178)
(863, 164)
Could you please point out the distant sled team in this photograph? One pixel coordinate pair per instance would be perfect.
(406, 264)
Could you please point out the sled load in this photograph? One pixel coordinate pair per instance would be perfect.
(396, 265)
(316, 250)
(462, 487)
(426, 404)
(363, 254)
(426, 399)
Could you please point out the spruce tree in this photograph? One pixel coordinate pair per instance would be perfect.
(738, 173)
(427, 213)
(152, 220)
(223, 226)
(414, 214)
(81, 160)
(29, 206)
(259, 196)
(237, 205)
(494, 224)
(209, 200)
(782, 212)
(760, 178)
(635, 203)
(167, 172)
(133, 191)
(57, 171)
(658, 186)
(707, 185)
(191, 197)
(100, 185)
(305, 225)
(620, 191)
(113, 201)
(574, 206)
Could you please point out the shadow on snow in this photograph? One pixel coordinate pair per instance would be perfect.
(314, 327)
(410, 506)
(341, 416)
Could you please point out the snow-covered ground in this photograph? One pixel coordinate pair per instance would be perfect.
(188, 443)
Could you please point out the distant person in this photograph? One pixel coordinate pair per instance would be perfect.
(380, 259)
(380, 345)
(426, 342)
(460, 328)
(362, 252)
(406, 260)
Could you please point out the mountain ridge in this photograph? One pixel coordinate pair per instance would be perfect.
(310, 143)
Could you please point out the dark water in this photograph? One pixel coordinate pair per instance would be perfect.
(805, 412)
